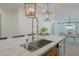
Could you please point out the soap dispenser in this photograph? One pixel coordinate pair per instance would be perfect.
(27, 44)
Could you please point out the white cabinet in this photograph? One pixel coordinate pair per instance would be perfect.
(61, 47)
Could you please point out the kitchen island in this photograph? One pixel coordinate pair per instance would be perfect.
(11, 47)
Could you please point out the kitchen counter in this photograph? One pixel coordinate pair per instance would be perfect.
(11, 47)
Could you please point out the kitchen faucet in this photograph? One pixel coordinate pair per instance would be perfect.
(37, 27)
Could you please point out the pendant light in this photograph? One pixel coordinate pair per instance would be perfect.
(30, 9)
(47, 15)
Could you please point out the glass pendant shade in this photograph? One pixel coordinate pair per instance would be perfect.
(30, 9)
(47, 15)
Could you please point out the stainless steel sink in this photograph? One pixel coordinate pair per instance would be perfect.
(35, 45)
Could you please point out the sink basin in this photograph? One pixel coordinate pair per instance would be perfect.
(35, 45)
(38, 44)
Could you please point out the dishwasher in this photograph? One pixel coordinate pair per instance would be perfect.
(61, 47)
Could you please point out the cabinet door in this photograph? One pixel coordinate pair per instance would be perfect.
(62, 48)
(51, 52)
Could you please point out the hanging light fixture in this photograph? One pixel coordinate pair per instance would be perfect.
(70, 26)
(30, 9)
(47, 15)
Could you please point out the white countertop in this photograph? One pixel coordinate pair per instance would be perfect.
(11, 47)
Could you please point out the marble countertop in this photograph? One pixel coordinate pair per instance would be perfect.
(11, 47)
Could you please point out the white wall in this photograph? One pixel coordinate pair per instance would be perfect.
(24, 22)
(9, 22)
(0, 25)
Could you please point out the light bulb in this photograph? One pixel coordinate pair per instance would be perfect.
(44, 11)
(46, 16)
(32, 10)
(29, 10)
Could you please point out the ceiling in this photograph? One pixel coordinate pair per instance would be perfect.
(10, 5)
(40, 6)
(16, 5)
